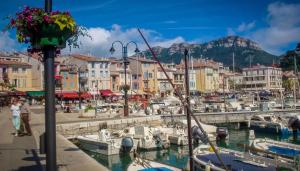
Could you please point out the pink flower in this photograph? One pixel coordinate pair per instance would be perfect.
(12, 22)
(29, 18)
(47, 19)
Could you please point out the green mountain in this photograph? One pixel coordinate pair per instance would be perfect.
(220, 50)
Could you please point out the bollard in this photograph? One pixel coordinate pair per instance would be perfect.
(43, 143)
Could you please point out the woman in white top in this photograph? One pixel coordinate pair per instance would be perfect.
(15, 109)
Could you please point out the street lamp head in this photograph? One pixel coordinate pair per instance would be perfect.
(136, 50)
(112, 50)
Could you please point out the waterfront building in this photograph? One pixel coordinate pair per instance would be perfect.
(117, 75)
(144, 75)
(164, 87)
(69, 78)
(17, 74)
(260, 77)
(205, 75)
(37, 67)
(94, 72)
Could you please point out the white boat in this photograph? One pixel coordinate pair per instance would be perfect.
(103, 143)
(140, 164)
(150, 138)
(270, 123)
(205, 159)
(175, 135)
(281, 148)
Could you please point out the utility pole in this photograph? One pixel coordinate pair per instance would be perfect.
(188, 115)
(50, 123)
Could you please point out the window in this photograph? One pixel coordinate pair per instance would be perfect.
(146, 75)
(106, 65)
(102, 74)
(106, 73)
(135, 86)
(93, 64)
(23, 70)
(101, 65)
(15, 70)
(150, 75)
(15, 82)
(93, 73)
(134, 77)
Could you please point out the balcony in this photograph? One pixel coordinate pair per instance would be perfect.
(146, 89)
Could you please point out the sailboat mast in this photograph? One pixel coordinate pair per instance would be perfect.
(188, 115)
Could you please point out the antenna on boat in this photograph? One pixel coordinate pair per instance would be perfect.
(184, 102)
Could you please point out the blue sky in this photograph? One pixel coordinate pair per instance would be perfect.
(275, 25)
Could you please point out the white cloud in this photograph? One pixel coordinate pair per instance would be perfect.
(7, 43)
(246, 26)
(230, 32)
(283, 28)
(103, 38)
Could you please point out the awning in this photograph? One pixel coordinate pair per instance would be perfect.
(17, 93)
(35, 93)
(106, 93)
(74, 95)
(58, 77)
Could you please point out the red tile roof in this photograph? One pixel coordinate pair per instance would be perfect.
(88, 58)
(14, 63)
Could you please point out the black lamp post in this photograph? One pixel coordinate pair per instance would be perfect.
(126, 63)
(50, 138)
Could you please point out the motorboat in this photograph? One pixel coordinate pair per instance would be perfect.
(176, 135)
(206, 159)
(140, 164)
(150, 138)
(283, 149)
(270, 123)
(105, 144)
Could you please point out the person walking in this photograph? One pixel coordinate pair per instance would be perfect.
(25, 116)
(15, 109)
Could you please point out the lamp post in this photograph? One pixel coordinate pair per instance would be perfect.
(126, 62)
(50, 130)
(79, 69)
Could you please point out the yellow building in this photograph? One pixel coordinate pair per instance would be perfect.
(144, 75)
(18, 74)
(207, 75)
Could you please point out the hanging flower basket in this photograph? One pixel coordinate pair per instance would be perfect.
(41, 29)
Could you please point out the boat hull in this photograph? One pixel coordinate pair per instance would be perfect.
(272, 129)
(99, 147)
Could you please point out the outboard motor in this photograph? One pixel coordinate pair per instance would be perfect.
(294, 123)
(222, 133)
(198, 135)
(127, 144)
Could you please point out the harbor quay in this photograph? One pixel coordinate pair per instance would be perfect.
(236, 119)
(17, 153)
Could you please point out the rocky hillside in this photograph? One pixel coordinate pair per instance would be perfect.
(219, 50)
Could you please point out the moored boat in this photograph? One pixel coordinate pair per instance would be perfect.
(206, 159)
(281, 148)
(140, 164)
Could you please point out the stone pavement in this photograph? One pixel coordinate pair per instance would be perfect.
(17, 153)
(22, 153)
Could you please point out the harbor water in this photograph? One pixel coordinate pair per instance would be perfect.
(178, 156)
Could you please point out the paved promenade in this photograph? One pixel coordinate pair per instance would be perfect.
(17, 153)
(22, 153)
